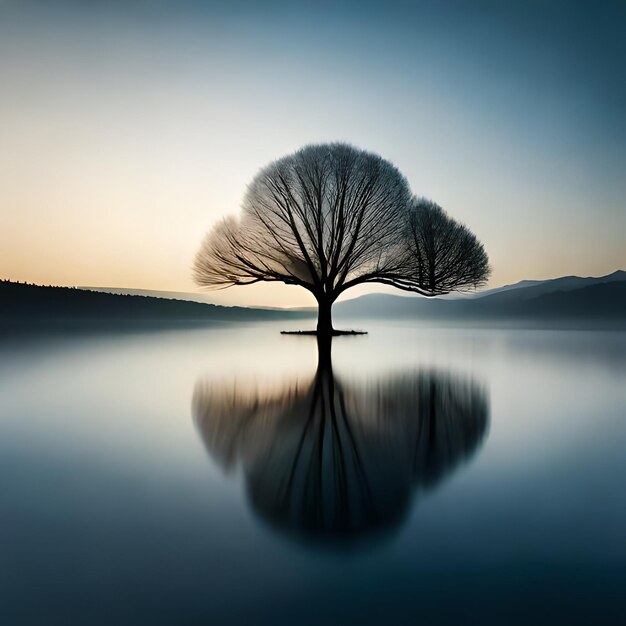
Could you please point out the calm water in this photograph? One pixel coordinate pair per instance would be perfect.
(228, 476)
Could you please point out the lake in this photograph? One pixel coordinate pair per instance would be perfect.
(231, 475)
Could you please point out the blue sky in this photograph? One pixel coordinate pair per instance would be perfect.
(128, 129)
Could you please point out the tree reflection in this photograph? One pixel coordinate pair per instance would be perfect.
(333, 460)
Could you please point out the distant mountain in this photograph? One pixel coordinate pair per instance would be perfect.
(603, 300)
(569, 297)
(152, 293)
(532, 288)
(520, 285)
(188, 296)
(32, 304)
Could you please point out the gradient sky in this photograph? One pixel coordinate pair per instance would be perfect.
(128, 128)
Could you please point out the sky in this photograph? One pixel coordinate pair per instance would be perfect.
(127, 129)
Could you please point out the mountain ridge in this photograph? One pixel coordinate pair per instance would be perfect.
(524, 284)
(568, 297)
(22, 303)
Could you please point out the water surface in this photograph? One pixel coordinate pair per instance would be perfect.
(227, 474)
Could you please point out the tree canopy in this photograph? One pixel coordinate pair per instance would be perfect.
(330, 217)
(444, 255)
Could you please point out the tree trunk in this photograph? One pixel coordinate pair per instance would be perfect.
(324, 362)
(324, 317)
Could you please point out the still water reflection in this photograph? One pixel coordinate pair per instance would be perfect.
(124, 501)
(338, 461)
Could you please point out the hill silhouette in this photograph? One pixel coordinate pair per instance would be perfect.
(526, 289)
(567, 298)
(31, 304)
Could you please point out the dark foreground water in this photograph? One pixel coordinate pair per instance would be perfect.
(227, 476)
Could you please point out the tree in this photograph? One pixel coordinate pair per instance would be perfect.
(444, 255)
(326, 218)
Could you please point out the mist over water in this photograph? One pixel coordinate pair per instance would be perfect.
(422, 473)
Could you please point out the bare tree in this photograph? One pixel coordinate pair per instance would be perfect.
(326, 218)
(444, 255)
